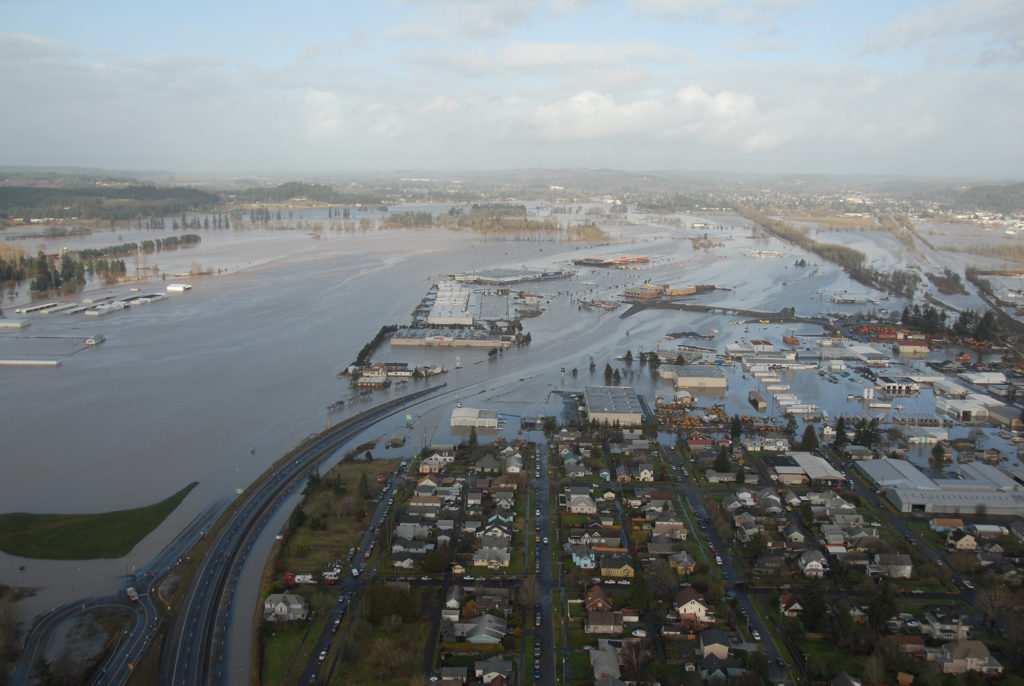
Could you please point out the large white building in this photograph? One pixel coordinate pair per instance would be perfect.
(980, 489)
(474, 417)
(613, 405)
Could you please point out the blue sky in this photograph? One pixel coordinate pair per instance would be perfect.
(924, 88)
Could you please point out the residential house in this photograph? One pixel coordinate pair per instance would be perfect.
(596, 600)
(682, 562)
(770, 564)
(713, 669)
(582, 504)
(623, 475)
(958, 539)
(691, 607)
(790, 604)
(605, 660)
(944, 525)
(668, 524)
(454, 675)
(961, 657)
(662, 545)
(645, 472)
(484, 629)
(583, 557)
(792, 533)
(714, 477)
(285, 607)
(813, 564)
(714, 642)
(619, 566)
(746, 529)
(492, 558)
(602, 622)
(489, 464)
(577, 471)
(946, 624)
(455, 596)
(493, 667)
(894, 566)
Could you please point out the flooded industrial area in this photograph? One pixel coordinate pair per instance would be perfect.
(215, 383)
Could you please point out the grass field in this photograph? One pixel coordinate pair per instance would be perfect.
(83, 536)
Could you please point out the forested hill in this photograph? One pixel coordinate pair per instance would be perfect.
(311, 191)
(1004, 199)
(114, 203)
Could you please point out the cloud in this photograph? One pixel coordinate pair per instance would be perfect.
(323, 114)
(726, 11)
(691, 114)
(989, 30)
(590, 115)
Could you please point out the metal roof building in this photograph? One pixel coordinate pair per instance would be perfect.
(613, 404)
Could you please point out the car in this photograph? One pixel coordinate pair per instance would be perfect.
(725, 575)
(780, 662)
(426, 578)
(968, 585)
(536, 539)
(718, 560)
(537, 512)
(623, 582)
(546, 540)
(536, 619)
(640, 633)
(337, 623)
(536, 641)
(312, 678)
(536, 674)
(536, 651)
(536, 663)
(755, 635)
(917, 591)
(323, 655)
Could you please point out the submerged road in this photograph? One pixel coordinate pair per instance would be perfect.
(133, 643)
(195, 649)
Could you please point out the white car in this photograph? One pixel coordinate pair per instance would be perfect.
(755, 635)
(640, 633)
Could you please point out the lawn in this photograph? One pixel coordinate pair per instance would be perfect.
(829, 655)
(83, 536)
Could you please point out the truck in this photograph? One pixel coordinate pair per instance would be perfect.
(132, 594)
(289, 577)
(304, 579)
(331, 576)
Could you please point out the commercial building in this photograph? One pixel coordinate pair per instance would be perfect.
(613, 405)
(700, 376)
(980, 488)
(473, 417)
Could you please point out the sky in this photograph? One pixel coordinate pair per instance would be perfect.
(768, 86)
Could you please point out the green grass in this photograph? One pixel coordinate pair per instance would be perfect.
(83, 536)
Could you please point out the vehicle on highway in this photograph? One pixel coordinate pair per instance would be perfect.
(323, 655)
(546, 540)
(756, 635)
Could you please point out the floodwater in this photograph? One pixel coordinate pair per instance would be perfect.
(215, 384)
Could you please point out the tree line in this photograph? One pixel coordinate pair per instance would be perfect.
(125, 203)
(146, 246)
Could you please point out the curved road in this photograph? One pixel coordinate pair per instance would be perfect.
(195, 649)
(132, 644)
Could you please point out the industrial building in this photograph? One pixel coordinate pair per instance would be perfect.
(699, 376)
(474, 417)
(980, 489)
(613, 405)
(451, 306)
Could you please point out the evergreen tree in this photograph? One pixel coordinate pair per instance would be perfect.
(809, 442)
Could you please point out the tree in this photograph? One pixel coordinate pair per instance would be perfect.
(736, 428)
(473, 440)
(722, 463)
(791, 427)
(628, 357)
(840, 432)
(815, 614)
(809, 442)
(755, 546)
(608, 373)
(882, 606)
(638, 590)
(874, 668)
(364, 486)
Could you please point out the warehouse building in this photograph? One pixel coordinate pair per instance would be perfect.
(473, 417)
(700, 377)
(613, 405)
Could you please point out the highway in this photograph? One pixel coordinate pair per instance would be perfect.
(194, 652)
(133, 643)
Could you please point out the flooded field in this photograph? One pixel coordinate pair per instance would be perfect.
(215, 384)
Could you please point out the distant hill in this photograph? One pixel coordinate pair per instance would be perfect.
(311, 191)
(102, 202)
(1003, 199)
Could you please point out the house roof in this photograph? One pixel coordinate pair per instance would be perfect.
(714, 637)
